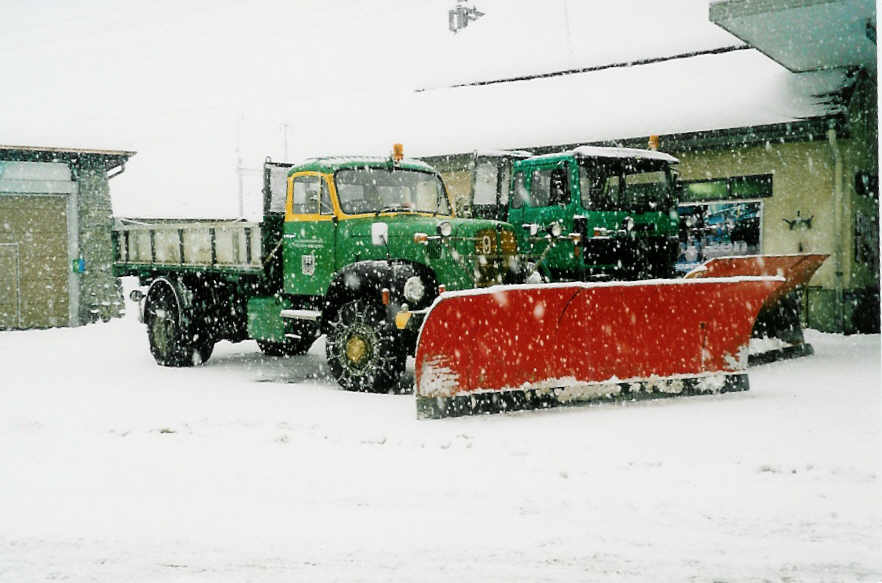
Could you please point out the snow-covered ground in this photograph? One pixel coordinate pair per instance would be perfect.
(255, 468)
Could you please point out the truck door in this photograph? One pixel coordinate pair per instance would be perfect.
(310, 240)
(549, 201)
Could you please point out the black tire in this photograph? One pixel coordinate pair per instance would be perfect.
(171, 343)
(291, 347)
(363, 348)
(203, 349)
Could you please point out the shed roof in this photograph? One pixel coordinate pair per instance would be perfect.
(110, 158)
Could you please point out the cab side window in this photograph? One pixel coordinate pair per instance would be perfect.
(305, 194)
(540, 190)
(560, 192)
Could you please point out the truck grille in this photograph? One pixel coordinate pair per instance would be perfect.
(494, 253)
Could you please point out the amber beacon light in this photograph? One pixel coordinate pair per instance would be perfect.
(398, 152)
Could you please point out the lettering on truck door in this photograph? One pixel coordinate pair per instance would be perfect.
(309, 235)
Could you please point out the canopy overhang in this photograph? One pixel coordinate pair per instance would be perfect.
(804, 35)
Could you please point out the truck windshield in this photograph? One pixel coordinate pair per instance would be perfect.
(373, 190)
(629, 184)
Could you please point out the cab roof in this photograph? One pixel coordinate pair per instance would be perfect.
(329, 164)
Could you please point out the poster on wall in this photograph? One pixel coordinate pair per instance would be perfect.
(718, 229)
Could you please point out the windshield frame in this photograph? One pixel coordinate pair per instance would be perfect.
(349, 211)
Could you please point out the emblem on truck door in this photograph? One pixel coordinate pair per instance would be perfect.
(486, 245)
(307, 264)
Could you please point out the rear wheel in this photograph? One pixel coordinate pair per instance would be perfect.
(170, 341)
(363, 348)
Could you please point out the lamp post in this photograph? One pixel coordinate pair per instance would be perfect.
(460, 15)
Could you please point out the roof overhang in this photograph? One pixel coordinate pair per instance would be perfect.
(804, 35)
(110, 159)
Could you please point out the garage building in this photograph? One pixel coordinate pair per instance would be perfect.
(55, 236)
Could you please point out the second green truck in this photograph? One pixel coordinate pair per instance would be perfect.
(618, 205)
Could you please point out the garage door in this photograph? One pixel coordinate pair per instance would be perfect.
(36, 228)
(10, 309)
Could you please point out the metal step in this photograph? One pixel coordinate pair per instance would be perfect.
(310, 315)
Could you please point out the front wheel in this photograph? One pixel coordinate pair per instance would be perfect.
(363, 348)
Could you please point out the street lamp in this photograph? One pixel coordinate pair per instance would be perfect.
(460, 15)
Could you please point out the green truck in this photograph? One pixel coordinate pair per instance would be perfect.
(617, 205)
(353, 248)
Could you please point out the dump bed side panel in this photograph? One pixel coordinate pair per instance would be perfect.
(186, 245)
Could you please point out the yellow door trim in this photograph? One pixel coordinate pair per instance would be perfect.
(314, 217)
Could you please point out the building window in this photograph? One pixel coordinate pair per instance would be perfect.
(867, 184)
(739, 187)
(721, 217)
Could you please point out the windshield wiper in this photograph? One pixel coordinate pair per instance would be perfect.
(389, 209)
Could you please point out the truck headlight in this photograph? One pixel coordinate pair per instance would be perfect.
(414, 290)
(555, 229)
(445, 229)
(532, 228)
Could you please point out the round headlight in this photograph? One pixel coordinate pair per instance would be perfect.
(628, 224)
(414, 290)
(555, 229)
(445, 229)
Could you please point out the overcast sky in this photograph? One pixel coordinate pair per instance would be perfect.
(187, 84)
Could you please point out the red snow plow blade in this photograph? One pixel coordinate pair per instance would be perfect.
(778, 321)
(524, 347)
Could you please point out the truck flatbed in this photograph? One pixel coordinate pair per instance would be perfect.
(230, 246)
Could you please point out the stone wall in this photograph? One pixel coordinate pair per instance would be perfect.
(100, 292)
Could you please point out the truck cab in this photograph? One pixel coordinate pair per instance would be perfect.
(359, 248)
(619, 201)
